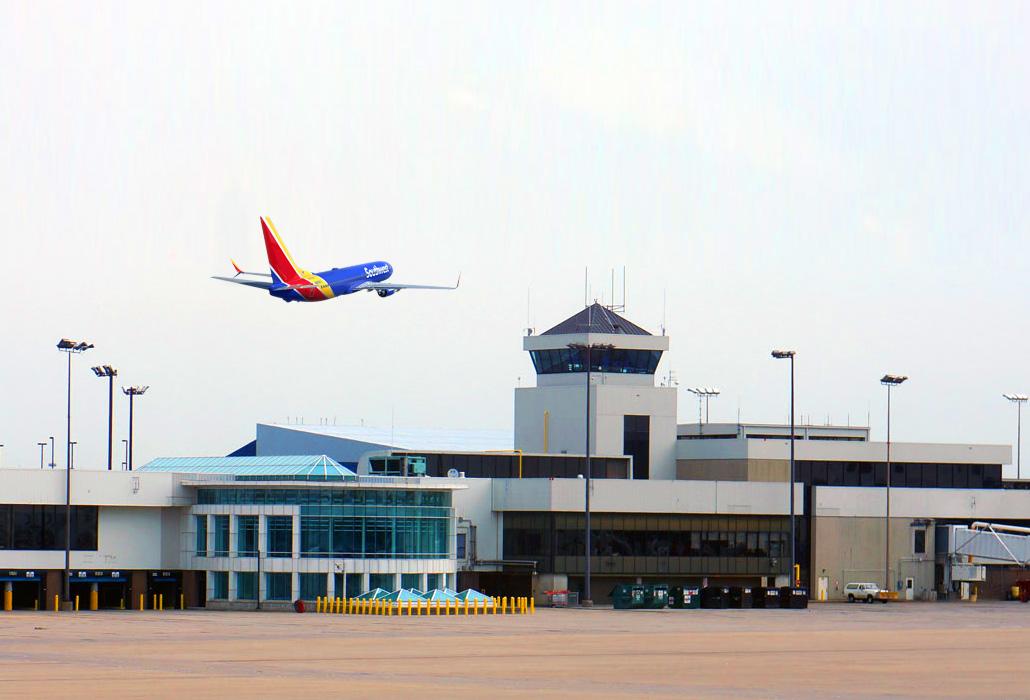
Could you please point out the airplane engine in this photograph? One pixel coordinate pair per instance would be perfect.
(386, 292)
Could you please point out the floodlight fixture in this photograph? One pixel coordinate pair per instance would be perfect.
(783, 354)
(892, 379)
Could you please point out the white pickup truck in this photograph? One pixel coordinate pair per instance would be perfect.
(863, 591)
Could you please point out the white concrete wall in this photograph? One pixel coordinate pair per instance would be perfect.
(565, 406)
(979, 504)
(843, 451)
(621, 496)
(92, 487)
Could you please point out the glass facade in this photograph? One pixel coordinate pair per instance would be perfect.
(636, 442)
(411, 580)
(42, 527)
(384, 581)
(650, 544)
(903, 474)
(506, 466)
(313, 586)
(220, 585)
(278, 586)
(221, 523)
(201, 523)
(614, 360)
(246, 535)
(280, 536)
(246, 585)
(351, 523)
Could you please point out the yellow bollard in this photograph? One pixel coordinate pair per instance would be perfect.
(409, 608)
(161, 602)
(121, 603)
(76, 603)
(153, 604)
(475, 608)
(94, 600)
(8, 600)
(436, 604)
(35, 605)
(141, 604)
(532, 606)
(504, 605)
(57, 605)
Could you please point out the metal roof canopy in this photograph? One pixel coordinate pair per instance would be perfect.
(274, 466)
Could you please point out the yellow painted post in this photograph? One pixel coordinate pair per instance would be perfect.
(35, 605)
(141, 602)
(94, 601)
(475, 608)
(76, 603)
(8, 600)
(121, 603)
(57, 605)
(504, 605)
(466, 607)
(153, 604)
(532, 606)
(318, 604)
(161, 602)
(182, 601)
(409, 608)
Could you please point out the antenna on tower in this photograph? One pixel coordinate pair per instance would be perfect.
(615, 305)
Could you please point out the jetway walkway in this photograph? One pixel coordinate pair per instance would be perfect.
(989, 543)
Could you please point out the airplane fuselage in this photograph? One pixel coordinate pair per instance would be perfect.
(333, 283)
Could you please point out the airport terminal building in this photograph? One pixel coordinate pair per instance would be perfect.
(306, 511)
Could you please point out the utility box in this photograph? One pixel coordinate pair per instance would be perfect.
(794, 598)
(685, 597)
(626, 596)
(715, 597)
(741, 597)
(656, 596)
(765, 597)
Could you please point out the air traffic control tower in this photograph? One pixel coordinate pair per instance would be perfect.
(629, 415)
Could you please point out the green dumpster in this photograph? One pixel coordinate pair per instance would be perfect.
(656, 596)
(685, 597)
(627, 596)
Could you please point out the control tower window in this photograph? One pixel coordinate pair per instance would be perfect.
(615, 361)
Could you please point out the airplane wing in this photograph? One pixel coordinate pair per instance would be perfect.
(372, 286)
(249, 283)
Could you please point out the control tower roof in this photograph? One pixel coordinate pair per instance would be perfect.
(596, 319)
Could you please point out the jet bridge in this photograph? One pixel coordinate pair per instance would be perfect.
(972, 548)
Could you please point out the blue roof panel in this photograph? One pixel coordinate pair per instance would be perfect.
(272, 466)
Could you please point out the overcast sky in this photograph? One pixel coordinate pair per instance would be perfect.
(849, 180)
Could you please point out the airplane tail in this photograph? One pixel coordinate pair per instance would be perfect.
(284, 270)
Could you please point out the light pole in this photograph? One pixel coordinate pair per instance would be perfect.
(705, 393)
(109, 372)
(132, 392)
(1019, 400)
(52, 465)
(125, 462)
(586, 354)
(890, 381)
(70, 347)
(42, 447)
(789, 355)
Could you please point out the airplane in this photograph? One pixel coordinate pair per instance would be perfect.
(290, 282)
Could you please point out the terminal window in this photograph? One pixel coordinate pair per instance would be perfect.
(280, 536)
(278, 586)
(221, 535)
(42, 527)
(313, 586)
(220, 585)
(247, 535)
(201, 523)
(246, 585)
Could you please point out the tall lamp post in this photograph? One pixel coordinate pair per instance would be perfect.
(890, 381)
(703, 393)
(1019, 400)
(109, 372)
(132, 392)
(586, 353)
(70, 347)
(789, 355)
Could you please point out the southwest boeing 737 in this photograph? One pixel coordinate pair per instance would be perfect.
(289, 282)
